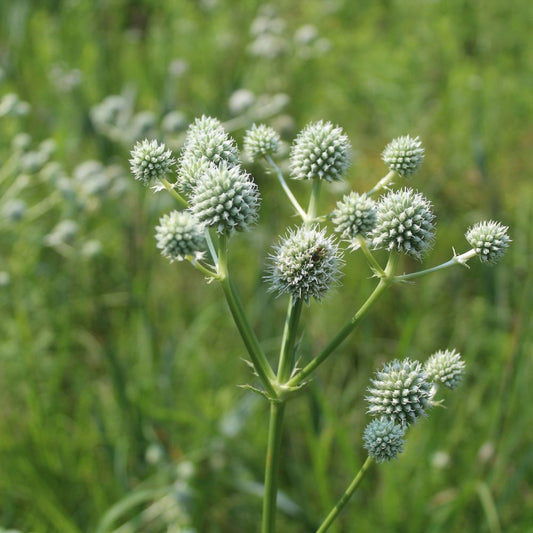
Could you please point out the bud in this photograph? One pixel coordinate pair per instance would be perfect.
(383, 439)
(180, 236)
(305, 264)
(150, 161)
(320, 151)
(261, 141)
(399, 392)
(225, 199)
(190, 171)
(404, 223)
(489, 240)
(404, 155)
(445, 367)
(354, 215)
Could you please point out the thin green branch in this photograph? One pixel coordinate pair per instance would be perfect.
(286, 357)
(382, 183)
(370, 256)
(346, 496)
(174, 192)
(286, 189)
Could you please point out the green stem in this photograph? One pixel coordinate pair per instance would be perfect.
(369, 256)
(286, 189)
(204, 269)
(259, 360)
(345, 497)
(455, 260)
(174, 192)
(348, 327)
(382, 183)
(286, 357)
(277, 411)
(313, 201)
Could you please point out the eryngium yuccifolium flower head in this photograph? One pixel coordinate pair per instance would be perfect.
(404, 223)
(400, 392)
(206, 138)
(225, 199)
(355, 215)
(445, 367)
(150, 161)
(404, 155)
(305, 264)
(261, 141)
(320, 151)
(190, 171)
(383, 439)
(179, 236)
(489, 240)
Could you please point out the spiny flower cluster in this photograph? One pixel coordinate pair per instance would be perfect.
(445, 367)
(355, 215)
(180, 236)
(320, 151)
(383, 439)
(206, 143)
(225, 199)
(404, 155)
(305, 264)
(404, 223)
(489, 239)
(150, 161)
(400, 392)
(261, 141)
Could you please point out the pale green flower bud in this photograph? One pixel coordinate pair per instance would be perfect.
(445, 367)
(383, 439)
(404, 223)
(400, 392)
(226, 199)
(489, 239)
(404, 155)
(180, 236)
(150, 161)
(306, 263)
(320, 151)
(261, 141)
(355, 215)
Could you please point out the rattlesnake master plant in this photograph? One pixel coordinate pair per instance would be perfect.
(220, 199)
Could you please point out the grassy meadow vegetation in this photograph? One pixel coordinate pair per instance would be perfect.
(120, 409)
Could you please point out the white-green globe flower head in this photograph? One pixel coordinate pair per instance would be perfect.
(261, 141)
(355, 215)
(489, 240)
(404, 155)
(404, 223)
(383, 439)
(320, 151)
(206, 138)
(150, 161)
(180, 236)
(305, 264)
(400, 392)
(445, 367)
(225, 199)
(191, 169)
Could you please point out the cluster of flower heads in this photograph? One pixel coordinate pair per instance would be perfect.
(400, 394)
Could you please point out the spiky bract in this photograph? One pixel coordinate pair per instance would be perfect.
(355, 215)
(445, 367)
(404, 155)
(261, 141)
(320, 151)
(225, 199)
(489, 239)
(404, 223)
(383, 439)
(180, 236)
(305, 264)
(150, 161)
(400, 392)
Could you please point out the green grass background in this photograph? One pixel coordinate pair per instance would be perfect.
(118, 372)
